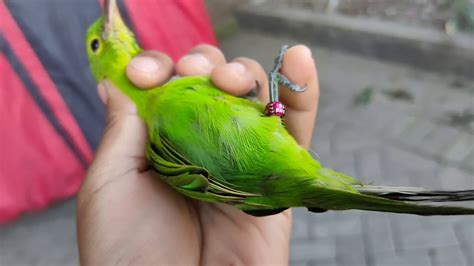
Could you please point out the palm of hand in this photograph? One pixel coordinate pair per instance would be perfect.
(154, 219)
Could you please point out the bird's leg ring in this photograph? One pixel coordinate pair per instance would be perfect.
(274, 107)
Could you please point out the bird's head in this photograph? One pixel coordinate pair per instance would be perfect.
(110, 44)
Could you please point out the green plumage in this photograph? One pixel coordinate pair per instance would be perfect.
(215, 147)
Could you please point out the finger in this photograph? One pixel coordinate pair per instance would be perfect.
(240, 76)
(150, 69)
(200, 61)
(300, 68)
(122, 146)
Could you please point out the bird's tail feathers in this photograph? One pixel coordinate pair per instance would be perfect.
(416, 194)
(390, 199)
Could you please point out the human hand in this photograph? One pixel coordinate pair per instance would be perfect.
(126, 215)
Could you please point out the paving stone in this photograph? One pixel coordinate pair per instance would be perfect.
(41, 239)
(300, 263)
(424, 178)
(454, 101)
(376, 228)
(300, 225)
(321, 144)
(324, 262)
(465, 236)
(398, 175)
(429, 236)
(350, 250)
(346, 139)
(403, 124)
(416, 258)
(401, 224)
(409, 159)
(439, 140)
(380, 114)
(312, 250)
(414, 134)
(469, 162)
(454, 178)
(341, 227)
(368, 165)
(393, 172)
(450, 255)
(461, 149)
(406, 168)
(344, 163)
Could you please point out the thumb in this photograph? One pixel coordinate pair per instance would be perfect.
(122, 147)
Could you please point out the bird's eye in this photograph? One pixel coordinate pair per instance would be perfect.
(95, 45)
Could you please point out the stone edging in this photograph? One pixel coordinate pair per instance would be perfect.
(424, 48)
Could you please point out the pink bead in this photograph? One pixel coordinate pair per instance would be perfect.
(275, 108)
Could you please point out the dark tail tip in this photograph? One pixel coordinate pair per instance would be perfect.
(417, 194)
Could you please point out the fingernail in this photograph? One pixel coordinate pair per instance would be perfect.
(238, 68)
(198, 60)
(145, 64)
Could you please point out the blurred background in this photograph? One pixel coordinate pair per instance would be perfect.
(396, 108)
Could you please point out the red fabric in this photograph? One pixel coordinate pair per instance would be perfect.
(40, 77)
(171, 26)
(36, 166)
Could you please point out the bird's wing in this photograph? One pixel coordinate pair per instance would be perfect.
(182, 174)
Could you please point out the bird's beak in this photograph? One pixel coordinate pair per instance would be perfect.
(112, 18)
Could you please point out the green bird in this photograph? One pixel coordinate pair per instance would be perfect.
(215, 147)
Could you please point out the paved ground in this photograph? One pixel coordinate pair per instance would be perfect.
(419, 138)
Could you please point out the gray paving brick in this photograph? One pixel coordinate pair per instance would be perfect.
(380, 115)
(468, 163)
(438, 140)
(401, 224)
(406, 168)
(350, 250)
(450, 255)
(444, 221)
(459, 151)
(393, 172)
(408, 159)
(454, 178)
(376, 228)
(342, 227)
(414, 134)
(321, 143)
(312, 250)
(424, 178)
(300, 225)
(416, 258)
(455, 101)
(346, 139)
(344, 163)
(323, 130)
(41, 239)
(368, 165)
(465, 234)
(394, 130)
(429, 236)
(324, 262)
(299, 263)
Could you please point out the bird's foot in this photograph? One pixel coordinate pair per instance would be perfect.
(274, 107)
